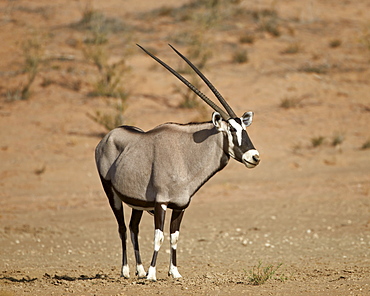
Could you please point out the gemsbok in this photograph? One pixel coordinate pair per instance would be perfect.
(164, 167)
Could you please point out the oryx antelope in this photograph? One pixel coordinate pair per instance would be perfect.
(164, 167)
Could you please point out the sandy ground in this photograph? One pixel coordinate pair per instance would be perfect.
(304, 207)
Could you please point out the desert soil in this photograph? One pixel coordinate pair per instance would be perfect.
(304, 207)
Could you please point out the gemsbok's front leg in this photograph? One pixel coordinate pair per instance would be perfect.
(159, 217)
(134, 231)
(176, 219)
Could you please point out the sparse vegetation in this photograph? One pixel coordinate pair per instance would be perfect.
(96, 50)
(318, 69)
(366, 145)
(365, 37)
(110, 120)
(317, 141)
(247, 38)
(240, 56)
(32, 50)
(95, 20)
(260, 274)
(199, 52)
(269, 26)
(335, 43)
(108, 83)
(337, 140)
(267, 20)
(189, 98)
(41, 170)
(292, 49)
(288, 103)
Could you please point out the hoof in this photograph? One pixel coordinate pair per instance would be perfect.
(151, 274)
(125, 272)
(151, 279)
(174, 272)
(140, 272)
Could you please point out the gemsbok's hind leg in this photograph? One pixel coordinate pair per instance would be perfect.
(159, 217)
(134, 231)
(117, 208)
(176, 219)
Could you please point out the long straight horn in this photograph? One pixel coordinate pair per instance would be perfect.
(223, 114)
(209, 84)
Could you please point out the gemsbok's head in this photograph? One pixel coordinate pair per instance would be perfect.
(240, 146)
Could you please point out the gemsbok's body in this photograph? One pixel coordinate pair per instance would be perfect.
(164, 167)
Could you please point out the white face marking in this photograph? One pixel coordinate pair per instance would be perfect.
(239, 130)
(158, 239)
(174, 239)
(249, 158)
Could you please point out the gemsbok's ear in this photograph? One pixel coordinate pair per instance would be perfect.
(217, 120)
(247, 118)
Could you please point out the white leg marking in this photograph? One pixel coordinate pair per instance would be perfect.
(174, 239)
(125, 271)
(158, 239)
(140, 271)
(173, 269)
(151, 274)
(174, 272)
(164, 207)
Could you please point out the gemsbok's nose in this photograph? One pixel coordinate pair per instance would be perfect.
(251, 158)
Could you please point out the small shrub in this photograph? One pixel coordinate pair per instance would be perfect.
(15, 95)
(94, 20)
(318, 69)
(110, 120)
(337, 140)
(110, 74)
(270, 26)
(259, 274)
(162, 11)
(108, 84)
(335, 43)
(240, 56)
(259, 15)
(317, 141)
(40, 171)
(292, 49)
(366, 145)
(288, 103)
(32, 54)
(247, 38)
(268, 21)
